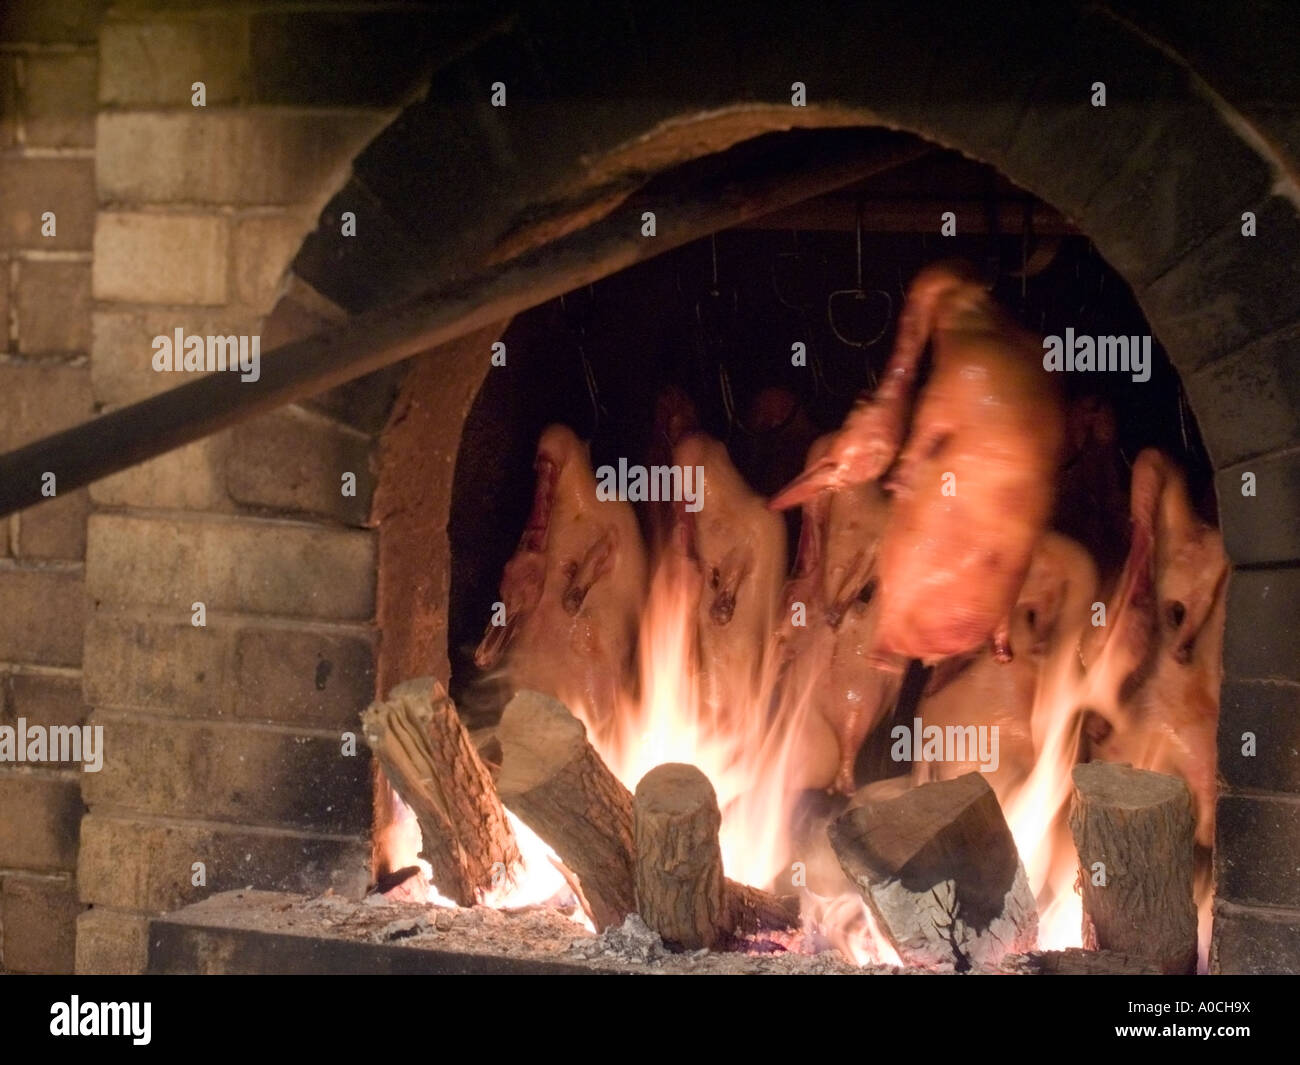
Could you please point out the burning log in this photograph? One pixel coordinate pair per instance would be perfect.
(751, 909)
(554, 780)
(940, 871)
(1134, 831)
(428, 757)
(680, 890)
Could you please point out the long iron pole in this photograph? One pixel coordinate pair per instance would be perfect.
(367, 342)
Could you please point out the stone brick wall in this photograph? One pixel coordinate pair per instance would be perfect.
(223, 741)
(48, 65)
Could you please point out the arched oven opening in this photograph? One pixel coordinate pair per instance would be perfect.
(744, 348)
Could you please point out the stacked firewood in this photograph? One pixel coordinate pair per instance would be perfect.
(936, 864)
(655, 853)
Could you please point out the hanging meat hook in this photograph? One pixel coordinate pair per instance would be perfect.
(717, 300)
(576, 322)
(859, 295)
(800, 261)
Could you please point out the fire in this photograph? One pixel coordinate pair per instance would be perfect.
(846, 923)
(742, 751)
(747, 751)
(748, 747)
(747, 754)
(537, 882)
(1035, 813)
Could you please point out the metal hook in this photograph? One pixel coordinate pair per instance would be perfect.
(993, 258)
(857, 239)
(593, 393)
(1026, 235)
(1183, 407)
(795, 256)
(728, 399)
(710, 332)
(575, 322)
(859, 295)
(820, 384)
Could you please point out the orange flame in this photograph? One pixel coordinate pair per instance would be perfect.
(1035, 812)
(749, 753)
(748, 757)
(743, 753)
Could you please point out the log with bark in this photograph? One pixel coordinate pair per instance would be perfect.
(940, 872)
(555, 782)
(751, 909)
(429, 759)
(679, 882)
(680, 889)
(1135, 834)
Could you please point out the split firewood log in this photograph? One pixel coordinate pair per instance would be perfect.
(429, 759)
(1135, 834)
(939, 869)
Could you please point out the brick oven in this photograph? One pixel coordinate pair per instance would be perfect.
(224, 609)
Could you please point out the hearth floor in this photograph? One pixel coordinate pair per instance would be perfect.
(266, 931)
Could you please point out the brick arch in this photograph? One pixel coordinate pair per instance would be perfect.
(1159, 179)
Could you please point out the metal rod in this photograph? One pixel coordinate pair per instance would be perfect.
(706, 200)
(839, 214)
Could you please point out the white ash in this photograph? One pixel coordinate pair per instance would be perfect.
(632, 941)
(404, 929)
(528, 934)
